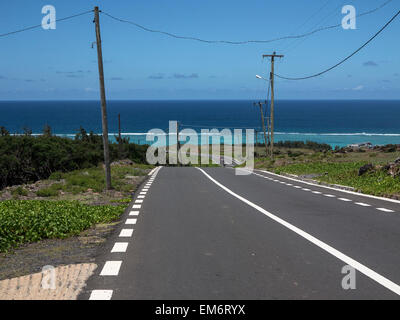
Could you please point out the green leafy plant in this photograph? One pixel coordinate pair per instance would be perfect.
(24, 221)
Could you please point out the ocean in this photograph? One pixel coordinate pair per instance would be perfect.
(336, 122)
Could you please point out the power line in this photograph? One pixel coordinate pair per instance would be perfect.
(172, 35)
(40, 25)
(345, 59)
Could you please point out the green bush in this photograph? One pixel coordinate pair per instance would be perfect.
(25, 221)
(47, 192)
(26, 158)
(56, 176)
(19, 191)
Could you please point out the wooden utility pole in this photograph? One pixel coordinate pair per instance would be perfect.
(263, 126)
(271, 76)
(119, 135)
(178, 148)
(103, 101)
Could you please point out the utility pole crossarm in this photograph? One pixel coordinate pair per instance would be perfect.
(273, 55)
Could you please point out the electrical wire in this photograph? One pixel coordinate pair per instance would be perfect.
(40, 25)
(345, 59)
(172, 35)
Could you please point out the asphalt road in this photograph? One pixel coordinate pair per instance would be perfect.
(210, 234)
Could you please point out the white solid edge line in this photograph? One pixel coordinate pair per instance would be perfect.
(111, 268)
(331, 188)
(101, 295)
(341, 256)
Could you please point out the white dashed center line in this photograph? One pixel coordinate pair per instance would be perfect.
(344, 199)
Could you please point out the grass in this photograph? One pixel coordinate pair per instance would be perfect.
(25, 221)
(337, 168)
(79, 181)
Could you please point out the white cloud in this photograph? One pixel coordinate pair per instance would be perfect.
(358, 88)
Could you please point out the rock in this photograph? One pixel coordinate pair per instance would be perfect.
(365, 168)
(393, 169)
(125, 162)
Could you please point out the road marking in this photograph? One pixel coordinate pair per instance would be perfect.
(111, 268)
(141, 197)
(305, 189)
(329, 195)
(297, 187)
(136, 206)
(363, 204)
(120, 247)
(101, 295)
(126, 233)
(317, 192)
(344, 199)
(143, 193)
(134, 213)
(336, 253)
(131, 221)
(385, 210)
(145, 189)
(327, 187)
(139, 201)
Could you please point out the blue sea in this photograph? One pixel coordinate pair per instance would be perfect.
(337, 123)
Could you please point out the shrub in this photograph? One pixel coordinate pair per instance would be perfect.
(19, 191)
(29, 158)
(47, 192)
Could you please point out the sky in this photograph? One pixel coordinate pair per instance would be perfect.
(61, 64)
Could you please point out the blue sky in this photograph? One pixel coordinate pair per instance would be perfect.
(60, 64)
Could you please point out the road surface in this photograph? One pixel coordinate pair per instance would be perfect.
(210, 234)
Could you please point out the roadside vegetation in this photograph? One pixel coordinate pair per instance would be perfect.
(24, 221)
(53, 187)
(26, 158)
(340, 166)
